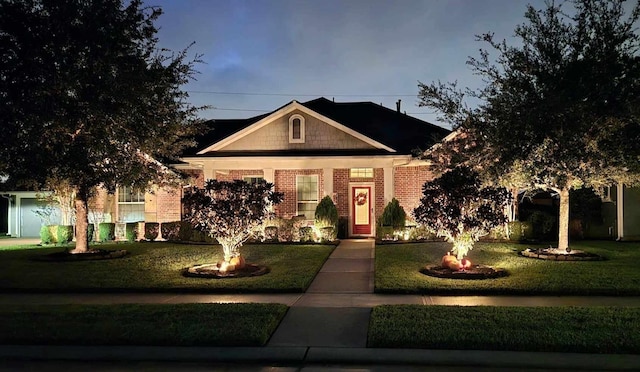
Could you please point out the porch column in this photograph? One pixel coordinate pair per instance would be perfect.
(327, 173)
(620, 210)
(208, 172)
(388, 185)
(269, 174)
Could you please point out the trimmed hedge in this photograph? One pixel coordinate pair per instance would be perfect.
(170, 230)
(106, 231)
(151, 230)
(64, 234)
(131, 231)
(46, 237)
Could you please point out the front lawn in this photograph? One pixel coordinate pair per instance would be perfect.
(157, 267)
(554, 329)
(398, 270)
(176, 325)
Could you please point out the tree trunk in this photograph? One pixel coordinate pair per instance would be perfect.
(563, 221)
(82, 221)
(515, 213)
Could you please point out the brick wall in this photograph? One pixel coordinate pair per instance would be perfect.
(168, 204)
(285, 182)
(408, 183)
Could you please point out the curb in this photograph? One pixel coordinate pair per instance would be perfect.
(301, 354)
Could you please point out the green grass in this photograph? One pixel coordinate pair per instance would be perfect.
(157, 267)
(398, 267)
(180, 325)
(557, 329)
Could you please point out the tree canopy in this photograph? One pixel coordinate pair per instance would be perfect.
(87, 96)
(230, 211)
(457, 207)
(560, 108)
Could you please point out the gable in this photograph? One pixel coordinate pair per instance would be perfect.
(319, 135)
(327, 138)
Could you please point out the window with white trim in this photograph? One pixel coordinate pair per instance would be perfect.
(361, 173)
(252, 179)
(130, 204)
(307, 195)
(296, 129)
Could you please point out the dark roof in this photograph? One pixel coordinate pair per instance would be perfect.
(399, 131)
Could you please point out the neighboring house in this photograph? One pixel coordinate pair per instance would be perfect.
(358, 153)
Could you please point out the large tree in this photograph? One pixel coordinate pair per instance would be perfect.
(560, 108)
(88, 97)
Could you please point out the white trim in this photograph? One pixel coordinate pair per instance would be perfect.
(301, 162)
(372, 212)
(302, 132)
(293, 106)
(620, 210)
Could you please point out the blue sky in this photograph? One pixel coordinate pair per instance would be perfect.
(350, 50)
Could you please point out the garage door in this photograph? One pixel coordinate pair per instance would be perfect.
(29, 221)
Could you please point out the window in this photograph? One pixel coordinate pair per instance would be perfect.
(361, 173)
(296, 129)
(307, 196)
(252, 179)
(130, 205)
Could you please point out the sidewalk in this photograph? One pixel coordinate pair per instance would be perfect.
(328, 324)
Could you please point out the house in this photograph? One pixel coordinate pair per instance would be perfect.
(361, 154)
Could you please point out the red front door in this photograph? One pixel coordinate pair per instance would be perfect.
(361, 207)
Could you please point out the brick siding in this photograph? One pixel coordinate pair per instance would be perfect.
(408, 183)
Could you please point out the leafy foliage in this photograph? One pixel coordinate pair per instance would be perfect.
(89, 98)
(458, 208)
(393, 215)
(230, 211)
(560, 109)
(326, 213)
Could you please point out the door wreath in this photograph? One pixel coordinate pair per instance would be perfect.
(361, 198)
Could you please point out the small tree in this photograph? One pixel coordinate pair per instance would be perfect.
(230, 211)
(457, 208)
(326, 218)
(393, 215)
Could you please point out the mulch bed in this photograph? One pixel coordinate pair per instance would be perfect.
(554, 255)
(211, 271)
(475, 272)
(91, 255)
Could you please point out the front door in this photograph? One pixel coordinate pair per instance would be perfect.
(361, 207)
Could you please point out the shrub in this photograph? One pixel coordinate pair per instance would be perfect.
(544, 225)
(393, 215)
(306, 234)
(326, 213)
(106, 231)
(64, 234)
(271, 234)
(385, 232)
(91, 229)
(170, 230)
(285, 230)
(421, 232)
(328, 234)
(151, 230)
(131, 231)
(45, 235)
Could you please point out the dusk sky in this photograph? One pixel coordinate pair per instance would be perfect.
(274, 51)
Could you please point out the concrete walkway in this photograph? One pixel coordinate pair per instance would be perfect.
(328, 324)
